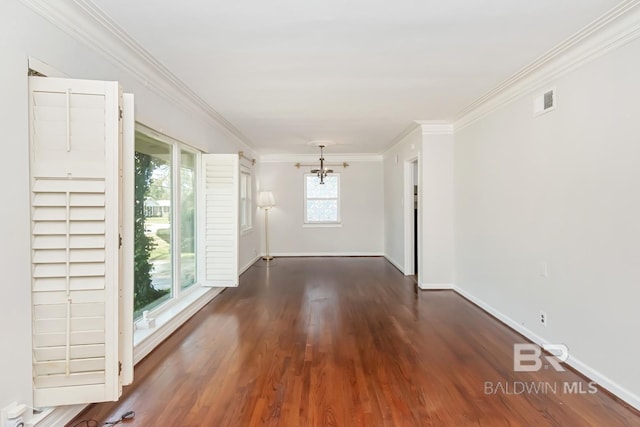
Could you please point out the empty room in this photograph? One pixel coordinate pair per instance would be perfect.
(320, 213)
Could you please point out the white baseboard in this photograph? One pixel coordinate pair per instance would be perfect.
(394, 263)
(56, 417)
(323, 254)
(586, 370)
(249, 264)
(435, 286)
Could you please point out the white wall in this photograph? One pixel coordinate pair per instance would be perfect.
(251, 240)
(560, 189)
(362, 211)
(26, 34)
(433, 148)
(409, 148)
(437, 210)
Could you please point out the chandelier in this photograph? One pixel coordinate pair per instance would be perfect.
(323, 171)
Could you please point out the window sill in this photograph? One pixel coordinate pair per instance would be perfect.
(322, 225)
(169, 319)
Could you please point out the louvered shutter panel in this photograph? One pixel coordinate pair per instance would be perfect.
(220, 184)
(75, 145)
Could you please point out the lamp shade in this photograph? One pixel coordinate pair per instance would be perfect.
(266, 200)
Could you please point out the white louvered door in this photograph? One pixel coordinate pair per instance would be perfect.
(219, 245)
(75, 148)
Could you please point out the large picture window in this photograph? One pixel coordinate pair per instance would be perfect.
(322, 201)
(165, 220)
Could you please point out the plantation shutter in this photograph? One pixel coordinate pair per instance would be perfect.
(76, 216)
(220, 184)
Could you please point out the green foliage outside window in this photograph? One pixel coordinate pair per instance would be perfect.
(144, 292)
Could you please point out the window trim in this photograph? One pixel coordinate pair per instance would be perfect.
(306, 222)
(178, 212)
(178, 293)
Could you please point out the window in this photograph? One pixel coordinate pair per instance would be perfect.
(187, 218)
(165, 219)
(322, 201)
(153, 222)
(245, 200)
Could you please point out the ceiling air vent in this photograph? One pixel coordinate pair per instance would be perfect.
(544, 102)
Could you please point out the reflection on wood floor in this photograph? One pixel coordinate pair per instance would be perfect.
(349, 342)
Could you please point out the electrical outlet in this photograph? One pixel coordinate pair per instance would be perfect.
(11, 415)
(4, 413)
(543, 318)
(14, 422)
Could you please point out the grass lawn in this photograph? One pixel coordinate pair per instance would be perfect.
(161, 251)
(156, 220)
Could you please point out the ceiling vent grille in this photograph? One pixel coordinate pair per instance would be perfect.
(544, 102)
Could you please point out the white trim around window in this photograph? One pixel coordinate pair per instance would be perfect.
(330, 198)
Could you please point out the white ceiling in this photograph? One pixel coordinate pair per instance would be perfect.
(355, 72)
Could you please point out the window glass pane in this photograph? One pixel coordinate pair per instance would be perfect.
(243, 185)
(243, 200)
(153, 270)
(322, 210)
(315, 190)
(187, 219)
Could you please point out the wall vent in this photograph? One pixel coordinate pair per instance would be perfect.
(544, 102)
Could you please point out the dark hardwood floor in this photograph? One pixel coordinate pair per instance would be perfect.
(348, 342)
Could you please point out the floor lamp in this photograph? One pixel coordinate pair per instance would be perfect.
(266, 202)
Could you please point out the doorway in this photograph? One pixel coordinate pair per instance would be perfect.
(412, 218)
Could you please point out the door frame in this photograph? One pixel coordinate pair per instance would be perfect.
(409, 248)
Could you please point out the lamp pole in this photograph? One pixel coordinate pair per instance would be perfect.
(266, 202)
(266, 257)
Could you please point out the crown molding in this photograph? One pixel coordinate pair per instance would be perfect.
(615, 28)
(435, 127)
(85, 22)
(399, 139)
(427, 127)
(312, 158)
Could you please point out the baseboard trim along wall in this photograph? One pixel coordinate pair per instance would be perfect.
(323, 254)
(249, 264)
(56, 417)
(394, 263)
(592, 374)
(435, 286)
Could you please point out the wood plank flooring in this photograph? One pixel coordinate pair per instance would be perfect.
(348, 342)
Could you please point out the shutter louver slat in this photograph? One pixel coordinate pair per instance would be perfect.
(76, 379)
(74, 204)
(79, 297)
(74, 339)
(94, 351)
(56, 311)
(221, 229)
(77, 365)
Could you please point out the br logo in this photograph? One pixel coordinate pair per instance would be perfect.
(529, 357)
